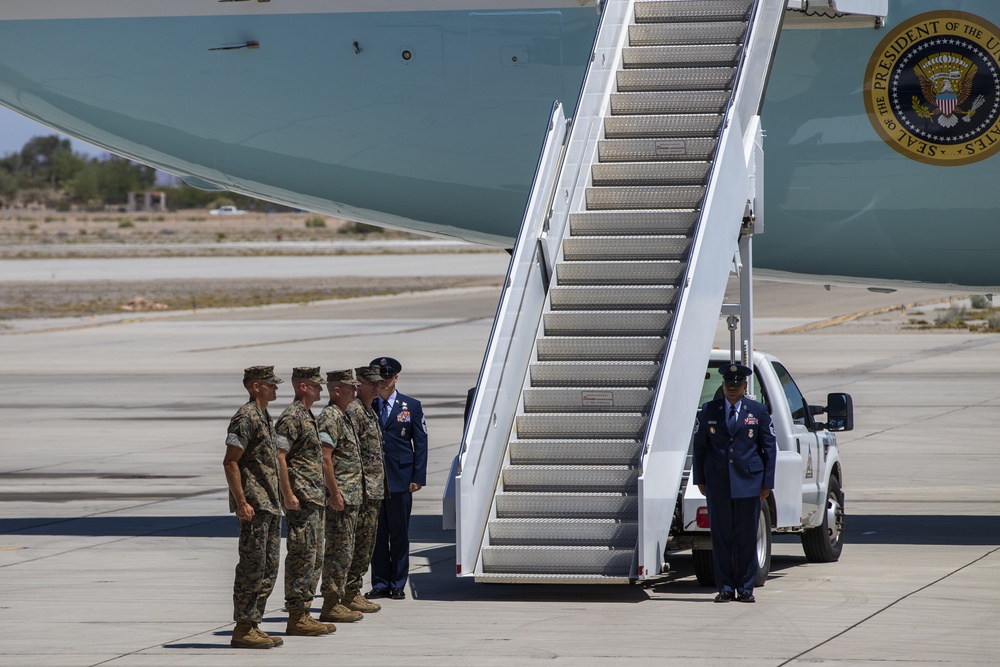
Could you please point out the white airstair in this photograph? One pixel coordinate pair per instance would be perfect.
(574, 454)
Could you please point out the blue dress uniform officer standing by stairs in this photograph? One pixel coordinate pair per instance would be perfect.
(734, 461)
(404, 442)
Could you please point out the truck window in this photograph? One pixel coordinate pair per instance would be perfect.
(712, 387)
(796, 403)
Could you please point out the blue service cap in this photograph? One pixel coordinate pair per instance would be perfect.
(734, 373)
(387, 366)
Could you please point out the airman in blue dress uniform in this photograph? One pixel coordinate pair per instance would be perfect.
(734, 460)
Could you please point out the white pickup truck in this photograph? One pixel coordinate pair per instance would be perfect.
(808, 496)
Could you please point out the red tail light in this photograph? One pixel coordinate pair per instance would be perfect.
(702, 518)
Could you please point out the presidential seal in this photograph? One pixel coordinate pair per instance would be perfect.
(932, 88)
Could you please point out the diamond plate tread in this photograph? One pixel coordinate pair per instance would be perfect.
(486, 578)
(637, 150)
(580, 399)
(676, 221)
(666, 126)
(692, 10)
(588, 374)
(581, 425)
(651, 173)
(675, 78)
(662, 247)
(566, 504)
(576, 451)
(596, 322)
(669, 102)
(558, 560)
(564, 532)
(673, 34)
(644, 196)
(621, 479)
(629, 297)
(617, 272)
(704, 55)
(601, 348)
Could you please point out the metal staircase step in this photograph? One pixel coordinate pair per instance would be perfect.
(560, 561)
(579, 451)
(583, 248)
(650, 173)
(666, 126)
(692, 10)
(622, 479)
(566, 504)
(701, 55)
(637, 150)
(644, 196)
(607, 322)
(619, 223)
(581, 425)
(594, 373)
(577, 579)
(608, 348)
(675, 78)
(617, 272)
(630, 297)
(669, 102)
(676, 34)
(590, 399)
(564, 532)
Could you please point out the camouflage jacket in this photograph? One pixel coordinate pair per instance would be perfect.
(251, 430)
(335, 431)
(365, 423)
(298, 435)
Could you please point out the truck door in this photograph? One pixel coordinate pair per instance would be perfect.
(805, 442)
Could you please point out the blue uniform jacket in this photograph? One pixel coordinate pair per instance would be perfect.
(736, 465)
(404, 441)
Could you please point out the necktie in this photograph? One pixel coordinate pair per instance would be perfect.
(385, 412)
(732, 419)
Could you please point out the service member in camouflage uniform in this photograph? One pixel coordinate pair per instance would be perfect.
(366, 426)
(342, 465)
(251, 468)
(300, 477)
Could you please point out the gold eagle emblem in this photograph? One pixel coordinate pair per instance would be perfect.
(946, 84)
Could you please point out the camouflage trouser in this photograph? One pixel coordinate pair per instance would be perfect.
(364, 546)
(340, 528)
(260, 553)
(304, 559)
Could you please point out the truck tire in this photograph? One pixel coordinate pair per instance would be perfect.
(763, 544)
(704, 569)
(824, 543)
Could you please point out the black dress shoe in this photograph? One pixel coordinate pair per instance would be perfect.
(746, 597)
(397, 594)
(724, 596)
(377, 593)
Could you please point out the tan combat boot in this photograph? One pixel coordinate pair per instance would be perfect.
(246, 635)
(302, 624)
(334, 611)
(277, 641)
(360, 603)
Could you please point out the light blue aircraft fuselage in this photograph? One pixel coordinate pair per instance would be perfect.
(428, 115)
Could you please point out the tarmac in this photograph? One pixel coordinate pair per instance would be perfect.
(116, 546)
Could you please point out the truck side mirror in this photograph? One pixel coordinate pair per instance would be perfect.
(840, 412)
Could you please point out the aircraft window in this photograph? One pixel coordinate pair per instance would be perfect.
(796, 403)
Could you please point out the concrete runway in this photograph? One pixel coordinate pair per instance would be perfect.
(116, 546)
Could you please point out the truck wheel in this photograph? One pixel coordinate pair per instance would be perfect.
(824, 543)
(763, 544)
(704, 569)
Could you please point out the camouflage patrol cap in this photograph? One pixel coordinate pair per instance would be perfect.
(345, 376)
(261, 373)
(310, 373)
(370, 373)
